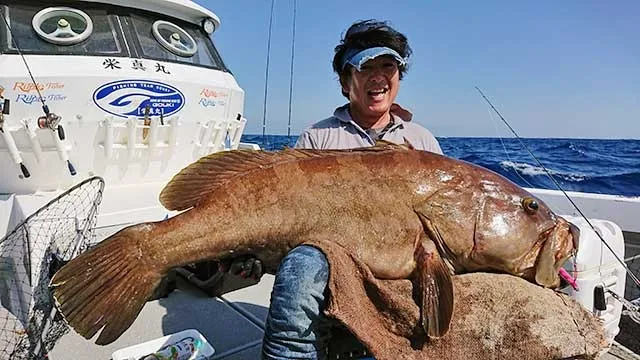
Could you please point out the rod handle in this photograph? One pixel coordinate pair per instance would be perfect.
(72, 170)
(599, 302)
(24, 170)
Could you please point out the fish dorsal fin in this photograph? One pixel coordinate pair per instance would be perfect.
(201, 177)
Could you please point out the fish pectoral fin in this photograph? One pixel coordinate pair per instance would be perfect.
(435, 290)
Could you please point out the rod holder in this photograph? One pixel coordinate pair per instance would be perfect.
(13, 151)
(33, 139)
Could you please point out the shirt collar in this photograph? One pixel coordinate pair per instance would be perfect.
(398, 114)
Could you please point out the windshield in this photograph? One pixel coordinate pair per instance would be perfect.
(81, 28)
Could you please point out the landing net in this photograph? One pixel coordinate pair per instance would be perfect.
(29, 256)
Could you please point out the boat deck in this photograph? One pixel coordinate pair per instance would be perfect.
(233, 324)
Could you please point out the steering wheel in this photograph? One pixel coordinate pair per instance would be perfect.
(64, 33)
(174, 38)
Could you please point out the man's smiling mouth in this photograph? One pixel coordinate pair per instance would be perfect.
(377, 93)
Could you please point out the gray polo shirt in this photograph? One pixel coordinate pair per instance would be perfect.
(341, 132)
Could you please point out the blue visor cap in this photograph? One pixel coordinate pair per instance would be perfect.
(357, 57)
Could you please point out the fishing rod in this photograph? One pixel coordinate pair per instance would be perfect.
(293, 51)
(266, 78)
(49, 120)
(631, 274)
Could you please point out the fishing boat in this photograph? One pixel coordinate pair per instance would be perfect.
(101, 103)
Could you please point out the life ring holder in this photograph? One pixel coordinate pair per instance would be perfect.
(63, 34)
(179, 42)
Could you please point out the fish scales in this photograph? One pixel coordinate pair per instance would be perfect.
(403, 212)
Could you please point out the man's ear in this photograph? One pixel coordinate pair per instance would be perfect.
(344, 83)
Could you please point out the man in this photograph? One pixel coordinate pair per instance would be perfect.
(370, 62)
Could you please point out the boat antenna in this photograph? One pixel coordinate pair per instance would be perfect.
(266, 78)
(293, 49)
(49, 120)
(631, 274)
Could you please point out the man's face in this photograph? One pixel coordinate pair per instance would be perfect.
(373, 89)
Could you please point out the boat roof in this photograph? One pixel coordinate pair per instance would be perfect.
(182, 9)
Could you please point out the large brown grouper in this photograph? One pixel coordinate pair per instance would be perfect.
(405, 213)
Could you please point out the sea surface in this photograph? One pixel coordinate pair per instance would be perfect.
(584, 165)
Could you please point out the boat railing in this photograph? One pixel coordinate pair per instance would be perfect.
(218, 135)
(38, 136)
(132, 137)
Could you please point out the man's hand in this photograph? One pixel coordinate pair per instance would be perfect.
(246, 266)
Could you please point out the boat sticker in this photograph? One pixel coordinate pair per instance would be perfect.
(35, 99)
(111, 64)
(126, 98)
(213, 93)
(213, 97)
(27, 87)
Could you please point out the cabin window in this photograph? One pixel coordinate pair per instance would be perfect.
(175, 41)
(60, 30)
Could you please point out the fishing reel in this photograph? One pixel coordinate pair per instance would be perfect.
(51, 121)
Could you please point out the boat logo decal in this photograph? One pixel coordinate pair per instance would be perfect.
(126, 98)
(35, 99)
(27, 87)
(213, 97)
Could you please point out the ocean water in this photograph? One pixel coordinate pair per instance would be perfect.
(585, 165)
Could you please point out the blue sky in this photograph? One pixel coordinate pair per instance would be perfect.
(553, 69)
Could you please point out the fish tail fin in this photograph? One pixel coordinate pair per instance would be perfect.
(107, 286)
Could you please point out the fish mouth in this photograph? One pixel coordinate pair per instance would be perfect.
(567, 237)
(560, 244)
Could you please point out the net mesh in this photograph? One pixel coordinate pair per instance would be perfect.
(29, 256)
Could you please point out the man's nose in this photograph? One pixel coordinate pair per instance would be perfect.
(377, 71)
(377, 75)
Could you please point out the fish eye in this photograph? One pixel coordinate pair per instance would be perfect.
(530, 205)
